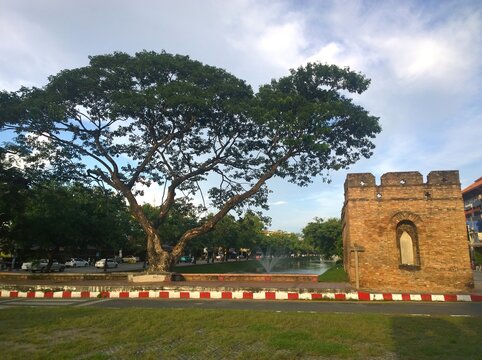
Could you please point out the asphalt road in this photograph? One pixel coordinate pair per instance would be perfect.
(93, 269)
(120, 268)
(395, 308)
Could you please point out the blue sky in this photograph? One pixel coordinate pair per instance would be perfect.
(423, 57)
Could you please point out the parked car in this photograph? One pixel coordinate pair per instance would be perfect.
(26, 265)
(131, 259)
(111, 263)
(74, 262)
(41, 265)
(185, 259)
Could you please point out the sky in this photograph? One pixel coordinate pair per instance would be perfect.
(424, 59)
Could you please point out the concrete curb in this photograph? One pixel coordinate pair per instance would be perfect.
(240, 295)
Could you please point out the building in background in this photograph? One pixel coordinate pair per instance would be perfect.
(472, 196)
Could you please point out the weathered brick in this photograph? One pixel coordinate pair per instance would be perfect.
(371, 214)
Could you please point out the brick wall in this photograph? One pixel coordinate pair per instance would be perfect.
(372, 213)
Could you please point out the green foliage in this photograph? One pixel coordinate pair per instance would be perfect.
(70, 216)
(478, 256)
(182, 217)
(244, 232)
(281, 242)
(325, 236)
(225, 234)
(250, 230)
(129, 121)
(13, 196)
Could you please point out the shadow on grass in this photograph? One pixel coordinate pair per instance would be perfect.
(437, 338)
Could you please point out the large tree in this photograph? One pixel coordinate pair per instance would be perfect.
(129, 121)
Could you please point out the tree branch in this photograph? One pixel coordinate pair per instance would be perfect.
(230, 204)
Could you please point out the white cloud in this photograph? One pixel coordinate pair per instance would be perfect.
(277, 203)
(423, 59)
(28, 54)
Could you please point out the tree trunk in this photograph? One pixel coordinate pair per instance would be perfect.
(159, 260)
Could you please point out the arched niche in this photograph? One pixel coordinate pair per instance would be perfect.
(408, 245)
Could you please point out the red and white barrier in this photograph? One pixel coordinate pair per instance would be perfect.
(241, 295)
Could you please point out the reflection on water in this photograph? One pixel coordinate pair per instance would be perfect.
(302, 266)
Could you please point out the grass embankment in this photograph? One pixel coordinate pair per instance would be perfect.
(90, 333)
(334, 274)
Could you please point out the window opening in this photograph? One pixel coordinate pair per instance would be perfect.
(407, 242)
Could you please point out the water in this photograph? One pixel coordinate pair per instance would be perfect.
(269, 262)
(280, 265)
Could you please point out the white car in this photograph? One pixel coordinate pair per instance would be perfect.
(41, 265)
(131, 259)
(27, 265)
(111, 263)
(74, 262)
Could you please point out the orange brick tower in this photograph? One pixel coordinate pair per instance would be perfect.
(406, 235)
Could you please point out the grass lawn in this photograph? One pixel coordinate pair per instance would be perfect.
(334, 274)
(90, 333)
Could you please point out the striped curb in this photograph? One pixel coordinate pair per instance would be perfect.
(240, 295)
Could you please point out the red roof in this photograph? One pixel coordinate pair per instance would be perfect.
(475, 185)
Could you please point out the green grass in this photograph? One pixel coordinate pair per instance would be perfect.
(90, 333)
(478, 256)
(334, 274)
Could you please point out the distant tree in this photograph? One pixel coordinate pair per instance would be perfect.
(129, 121)
(325, 236)
(231, 233)
(224, 236)
(70, 217)
(250, 232)
(182, 217)
(13, 196)
(279, 242)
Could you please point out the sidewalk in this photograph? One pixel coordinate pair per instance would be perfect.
(117, 287)
(121, 283)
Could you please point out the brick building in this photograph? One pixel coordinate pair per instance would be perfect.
(406, 235)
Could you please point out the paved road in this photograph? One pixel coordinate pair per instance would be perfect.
(415, 309)
(123, 267)
(93, 269)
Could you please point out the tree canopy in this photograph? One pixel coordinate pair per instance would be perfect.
(325, 236)
(229, 233)
(68, 217)
(130, 121)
